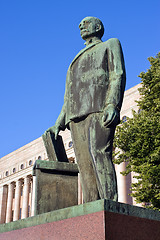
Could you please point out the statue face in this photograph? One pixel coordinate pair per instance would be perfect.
(87, 27)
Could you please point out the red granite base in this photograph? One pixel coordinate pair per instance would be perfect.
(95, 226)
(119, 226)
(88, 227)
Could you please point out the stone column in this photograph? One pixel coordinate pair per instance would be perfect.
(17, 200)
(124, 184)
(25, 197)
(80, 193)
(3, 203)
(33, 195)
(9, 203)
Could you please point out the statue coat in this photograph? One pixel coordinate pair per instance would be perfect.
(95, 78)
(94, 89)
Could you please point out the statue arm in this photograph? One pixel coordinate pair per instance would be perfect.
(59, 124)
(117, 79)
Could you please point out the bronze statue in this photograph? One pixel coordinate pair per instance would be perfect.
(93, 97)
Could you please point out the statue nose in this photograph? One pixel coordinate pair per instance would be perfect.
(80, 26)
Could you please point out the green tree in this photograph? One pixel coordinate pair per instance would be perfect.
(138, 139)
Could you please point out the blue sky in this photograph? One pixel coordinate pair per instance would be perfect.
(39, 39)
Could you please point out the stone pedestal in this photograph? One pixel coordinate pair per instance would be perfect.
(99, 220)
(56, 185)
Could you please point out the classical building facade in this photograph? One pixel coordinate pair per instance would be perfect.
(17, 184)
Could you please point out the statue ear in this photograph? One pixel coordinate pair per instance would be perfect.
(98, 27)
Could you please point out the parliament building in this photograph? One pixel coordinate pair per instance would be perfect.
(17, 184)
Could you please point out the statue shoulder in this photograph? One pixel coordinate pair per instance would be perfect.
(112, 42)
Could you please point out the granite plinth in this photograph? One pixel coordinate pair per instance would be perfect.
(56, 185)
(99, 220)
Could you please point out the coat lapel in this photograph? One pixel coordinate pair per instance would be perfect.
(82, 51)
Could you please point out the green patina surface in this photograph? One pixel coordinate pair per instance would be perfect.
(56, 185)
(95, 84)
(59, 166)
(54, 147)
(84, 209)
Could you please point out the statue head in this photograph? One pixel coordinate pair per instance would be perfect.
(91, 27)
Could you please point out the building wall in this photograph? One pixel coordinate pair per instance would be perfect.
(16, 180)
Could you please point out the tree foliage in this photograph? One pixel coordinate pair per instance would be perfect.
(138, 139)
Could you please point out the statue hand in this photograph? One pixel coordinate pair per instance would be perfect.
(55, 130)
(59, 125)
(110, 115)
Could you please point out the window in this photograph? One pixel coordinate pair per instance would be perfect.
(14, 193)
(28, 210)
(14, 170)
(39, 157)
(30, 188)
(12, 215)
(7, 173)
(20, 212)
(30, 162)
(22, 166)
(124, 119)
(70, 144)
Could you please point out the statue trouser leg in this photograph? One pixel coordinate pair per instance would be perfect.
(79, 135)
(93, 149)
